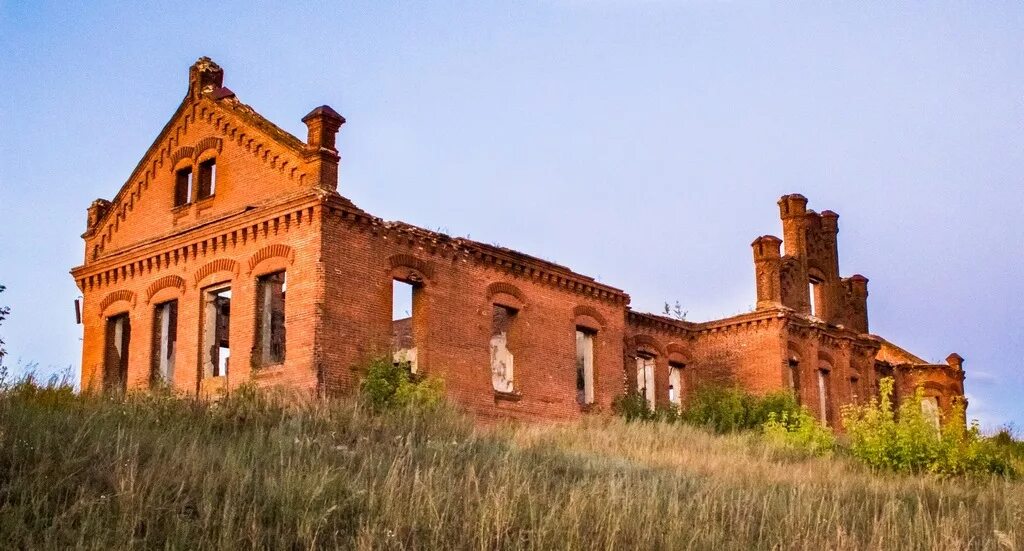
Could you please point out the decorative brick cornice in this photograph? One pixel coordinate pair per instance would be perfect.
(238, 229)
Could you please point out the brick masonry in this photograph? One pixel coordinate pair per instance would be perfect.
(276, 207)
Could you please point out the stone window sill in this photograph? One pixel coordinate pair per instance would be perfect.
(507, 396)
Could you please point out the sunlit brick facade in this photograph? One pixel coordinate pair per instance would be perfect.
(230, 257)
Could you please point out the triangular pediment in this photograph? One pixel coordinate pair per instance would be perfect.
(255, 161)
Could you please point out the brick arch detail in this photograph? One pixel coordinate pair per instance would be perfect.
(277, 250)
(648, 341)
(584, 310)
(114, 296)
(933, 386)
(411, 262)
(677, 352)
(163, 283)
(186, 152)
(793, 350)
(825, 357)
(219, 265)
(207, 144)
(506, 288)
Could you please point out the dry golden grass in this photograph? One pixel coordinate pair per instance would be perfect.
(160, 472)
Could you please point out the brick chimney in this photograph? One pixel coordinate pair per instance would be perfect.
(204, 76)
(767, 271)
(323, 124)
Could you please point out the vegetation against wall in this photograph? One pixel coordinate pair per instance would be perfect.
(252, 471)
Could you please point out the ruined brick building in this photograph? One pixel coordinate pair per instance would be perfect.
(229, 257)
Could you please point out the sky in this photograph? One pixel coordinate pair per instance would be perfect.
(642, 142)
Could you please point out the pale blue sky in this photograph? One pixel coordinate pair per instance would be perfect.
(642, 142)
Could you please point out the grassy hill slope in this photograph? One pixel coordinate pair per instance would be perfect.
(157, 471)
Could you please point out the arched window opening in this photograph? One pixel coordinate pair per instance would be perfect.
(502, 360)
(676, 382)
(165, 339)
(585, 365)
(405, 319)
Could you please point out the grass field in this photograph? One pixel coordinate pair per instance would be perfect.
(162, 472)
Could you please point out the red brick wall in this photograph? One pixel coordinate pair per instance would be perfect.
(453, 317)
(236, 253)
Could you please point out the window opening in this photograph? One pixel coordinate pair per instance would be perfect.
(404, 316)
(814, 292)
(502, 365)
(183, 187)
(794, 378)
(930, 410)
(216, 350)
(824, 401)
(165, 337)
(207, 179)
(584, 366)
(115, 364)
(645, 377)
(675, 382)
(270, 327)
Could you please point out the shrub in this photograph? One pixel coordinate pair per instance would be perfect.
(909, 442)
(729, 409)
(799, 431)
(392, 386)
(632, 406)
(718, 408)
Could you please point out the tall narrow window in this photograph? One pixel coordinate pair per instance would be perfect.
(216, 348)
(855, 390)
(115, 362)
(675, 382)
(814, 292)
(645, 377)
(930, 409)
(824, 398)
(207, 179)
(584, 366)
(794, 377)
(183, 187)
(502, 366)
(270, 327)
(404, 316)
(165, 336)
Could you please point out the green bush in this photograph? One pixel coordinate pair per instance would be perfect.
(719, 408)
(392, 386)
(907, 441)
(729, 409)
(799, 431)
(632, 406)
